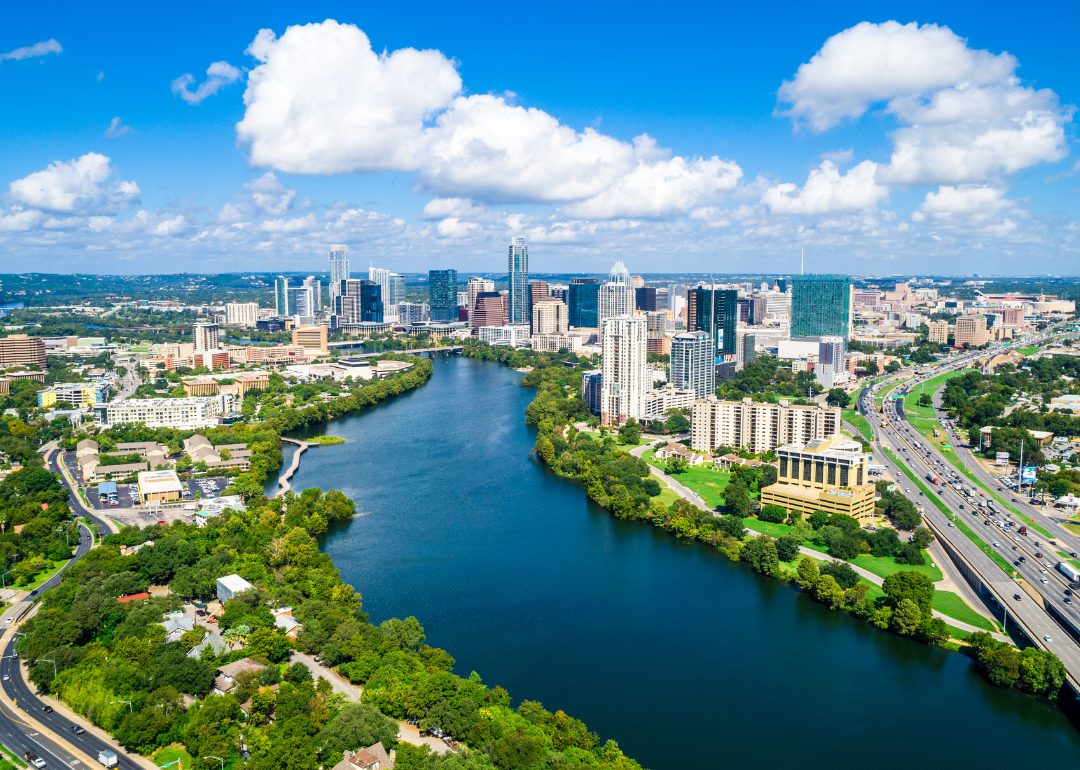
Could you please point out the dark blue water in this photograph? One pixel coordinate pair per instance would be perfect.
(684, 658)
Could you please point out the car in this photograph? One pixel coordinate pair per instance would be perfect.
(34, 592)
(1016, 563)
(1016, 596)
(1047, 639)
(1068, 592)
(1052, 542)
(161, 522)
(1068, 600)
(47, 709)
(1015, 500)
(77, 730)
(1023, 558)
(1043, 570)
(961, 506)
(1038, 555)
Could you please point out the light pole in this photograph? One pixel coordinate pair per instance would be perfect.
(2, 580)
(219, 759)
(128, 704)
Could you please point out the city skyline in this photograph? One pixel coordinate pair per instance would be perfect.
(962, 154)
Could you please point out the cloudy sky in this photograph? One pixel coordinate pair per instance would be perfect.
(928, 138)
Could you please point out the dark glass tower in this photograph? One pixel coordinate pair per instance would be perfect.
(584, 302)
(820, 305)
(442, 295)
(715, 311)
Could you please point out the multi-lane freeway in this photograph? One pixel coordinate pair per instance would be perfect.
(919, 457)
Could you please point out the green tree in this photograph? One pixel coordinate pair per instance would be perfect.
(630, 432)
(354, 726)
(772, 513)
(808, 573)
(908, 584)
(675, 465)
(906, 617)
(787, 548)
(839, 397)
(517, 750)
(818, 519)
(407, 634)
(761, 554)
(828, 591)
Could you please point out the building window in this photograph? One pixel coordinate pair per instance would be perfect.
(783, 467)
(819, 472)
(859, 475)
(806, 470)
(832, 474)
(843, 476)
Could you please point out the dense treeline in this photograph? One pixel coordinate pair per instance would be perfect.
(108, 652)
(34, 502)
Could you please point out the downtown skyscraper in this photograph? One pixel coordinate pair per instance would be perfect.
(339, 268)
(518, 269)
(442, 295)
(821, 306)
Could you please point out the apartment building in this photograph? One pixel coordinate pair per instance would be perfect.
(758, 427)
(78, 394)
(190, 413)
(971, 331)
(625, 378)
(311, 338)
(829, 474)
(549, 316)
(658, 402)
(241, 313)
(21, 349)
(553, 343)
(939, 332)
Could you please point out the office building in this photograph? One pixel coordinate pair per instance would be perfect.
(413, 312)
(758, 427)
(313, 283)
(716, 311)
(442, 295)
(745, 348)
(645, 298)
(21, 349)
(311, 338)
(616, 297)
(831, 367)
(625, 377)
(829, 474)
(474, 287)
(281, 296)
(391, 290)
(518, 269)
(79, 394)
(939, 332)
(821, 306)
(583, 304)
(489, 309)
(241, 313)
(590, 389)
(663, 298)
(637, 282)
(205, 337)
(191, 413)
(553, 343)
(560, 292)
(692, 363)
(971, 331)
(510, 335)
(365, 303)
(538, 292)
(339, 270)
(549, 317)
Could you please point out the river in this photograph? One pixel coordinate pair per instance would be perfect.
(686, 659)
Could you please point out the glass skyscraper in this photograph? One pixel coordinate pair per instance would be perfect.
(518, 268)
(715, 311)
(583, 302)
(442, 295)
(281, 296)
(820, 306)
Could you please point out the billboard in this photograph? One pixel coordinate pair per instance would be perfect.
(1029, 473)
(1001, 458)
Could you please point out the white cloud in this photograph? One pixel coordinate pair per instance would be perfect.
(20, 220)
(827, 191)
(269, 195)
(31, 51)
(964, 116)
(323, 102)
(966, 206)
(117, 129)
(305, 224)
(455, 228)
(459, 208)
(76, 187)
(218, 75)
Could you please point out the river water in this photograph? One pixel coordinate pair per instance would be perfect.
(684, 658)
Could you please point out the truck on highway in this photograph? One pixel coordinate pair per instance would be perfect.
(931, 477)
(1069, 571)
(1023, 530)
(107, 757)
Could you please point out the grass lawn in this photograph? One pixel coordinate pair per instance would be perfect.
(41, 578)
(883, 566)
(667, 495)
(1072, 527)
(595, 434)
(951, 604)
(11, 756)
(958, 633)
(705, 481)
(859, 422)
(327, 440)
(767, 528)
(172, 753)
(1027, 350)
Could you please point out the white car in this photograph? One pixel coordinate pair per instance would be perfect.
(1047, 639)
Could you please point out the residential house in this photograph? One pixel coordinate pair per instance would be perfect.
(176, 624)
(675, 449)
(283, 618)
(371, 758)
(226, 678)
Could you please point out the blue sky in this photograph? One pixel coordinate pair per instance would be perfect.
(893, 148)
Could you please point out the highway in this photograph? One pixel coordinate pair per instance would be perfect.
(891, 429)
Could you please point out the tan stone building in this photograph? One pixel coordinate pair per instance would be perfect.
(939, 332)
(830, 475)
(971, 331)
(311, 338)
(20, 349)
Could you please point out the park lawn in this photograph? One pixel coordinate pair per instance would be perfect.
(767, 528)
(957, 633)
(883, 566)
(595, 434)
(667, 495)
(953, 605)
(704, 481)
(171, 753)
(1027, 350)
(43, 576)
(873, 592)
(1072, 527)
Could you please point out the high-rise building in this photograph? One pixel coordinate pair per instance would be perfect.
(413, 312)
(716, 311)
(645, 298)
(442, 295)
(745, 348)
(637, 281)
(302, 302)
(625, 376)
(591, 390)
(392, 290)
(21, 349)
(311, 338)
(821, 306)
(339, 269)
(205, 337)
(358, 301)
(560, 292)
(488, 310)
(830, 475)
(518, 269)
(538, 292)
(549, 316)
(476, 285)
(616, 297)
(584, 296)
(313, 283)
(971, 331)
(692, 363)
(242, 313)
(758, 426)
(831, 367)
(939, 332)
(281, 296)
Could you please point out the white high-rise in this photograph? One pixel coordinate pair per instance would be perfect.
(549, 317)
(616, 296)
(339, 269)
(241, 313)
(205, 337)
(624, 372)
(831, 367)
(313, 283)
(475, 286)
(392, 287)
(693, 363)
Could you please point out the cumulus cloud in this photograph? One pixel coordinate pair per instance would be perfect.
(827, 191)
(77, 187)
(964, 116)
(321, 101)
(31, 51)
(117, 129)
(218, 75)
(458, 208)
(965, 206)
(269, 195)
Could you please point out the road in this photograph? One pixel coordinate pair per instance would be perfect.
(54, 462)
